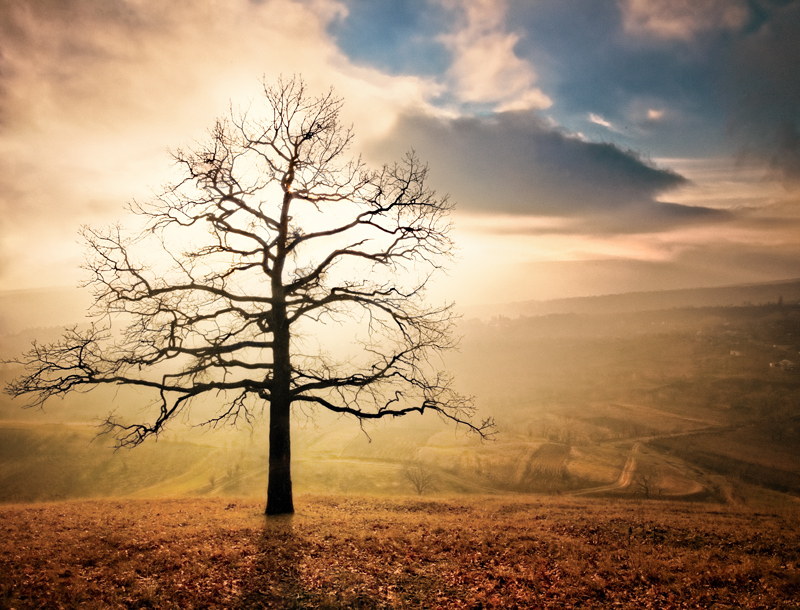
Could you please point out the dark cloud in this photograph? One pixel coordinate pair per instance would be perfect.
(588, 64)
(764, 89)
(516, 163)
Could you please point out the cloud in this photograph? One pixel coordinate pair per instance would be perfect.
(653, 217)
(93, 93)
(681, 19)
(598, 120)
(754, 245)
(103, 63)
(395, 36)
(712, 265)
(603, 122)
(517, 163)
(764, 91)
(485, 69)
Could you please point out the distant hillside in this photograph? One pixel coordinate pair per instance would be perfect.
(56, 307)
(750, 294)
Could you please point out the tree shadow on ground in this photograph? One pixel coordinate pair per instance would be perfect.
(274, 582)
(296, 569)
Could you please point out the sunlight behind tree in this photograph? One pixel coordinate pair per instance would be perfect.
(271, 231)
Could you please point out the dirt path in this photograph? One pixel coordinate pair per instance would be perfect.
(711, 423)
(624, 480)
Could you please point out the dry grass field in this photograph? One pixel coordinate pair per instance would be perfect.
(601, 413)
(362, 552)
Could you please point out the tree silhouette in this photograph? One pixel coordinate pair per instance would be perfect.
(645, 480)
(420, 476)
(269, 233)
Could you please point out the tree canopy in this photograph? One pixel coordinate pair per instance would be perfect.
(271, 233)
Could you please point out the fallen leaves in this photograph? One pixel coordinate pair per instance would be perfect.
(373, 553)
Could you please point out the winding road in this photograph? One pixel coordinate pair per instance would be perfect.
(624, 480)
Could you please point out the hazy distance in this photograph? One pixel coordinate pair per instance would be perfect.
(634, 146)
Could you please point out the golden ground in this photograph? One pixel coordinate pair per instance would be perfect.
(356, 552)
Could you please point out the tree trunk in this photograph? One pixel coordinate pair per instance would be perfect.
(279, 487)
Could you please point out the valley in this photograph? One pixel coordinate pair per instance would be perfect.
(678, 404)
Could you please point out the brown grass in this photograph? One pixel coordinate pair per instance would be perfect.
(340, 552)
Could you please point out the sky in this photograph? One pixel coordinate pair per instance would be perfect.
(591, 147)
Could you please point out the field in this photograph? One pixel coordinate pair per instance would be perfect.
(671, 404)
(355, 552)
(650, 459)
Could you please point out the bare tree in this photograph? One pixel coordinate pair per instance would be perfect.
(645, 479)
(269, 232)
(421, 477)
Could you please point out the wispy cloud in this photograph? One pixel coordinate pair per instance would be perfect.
(485, 68)
(681, 19)
(598, 120)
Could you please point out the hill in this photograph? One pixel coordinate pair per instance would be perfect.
(727, 296)
(630, 399)
(354, 552)
(58, 306)
(676, 404)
